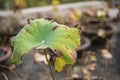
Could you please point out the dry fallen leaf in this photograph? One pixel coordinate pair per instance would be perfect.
(90, 13)
(92, 66)
(87, 75)
(75, 15)
(106, 54)
(90, 57)
(75, 76)
(12, 67)
(93, 57)
(76, 69)
(101, 33)
(40, 58)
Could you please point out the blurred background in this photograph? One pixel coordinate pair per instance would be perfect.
(99, 23)
(9, 4)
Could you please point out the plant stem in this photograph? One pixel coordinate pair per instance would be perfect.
(69, 72)
(49, 64)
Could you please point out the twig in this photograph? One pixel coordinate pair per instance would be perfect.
(49, 64)
(4, 75)
(8, 69)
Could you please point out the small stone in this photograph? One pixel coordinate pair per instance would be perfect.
(106, 54)
(75, 76)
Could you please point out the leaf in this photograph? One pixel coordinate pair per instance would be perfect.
(59, 64)
(42, 34)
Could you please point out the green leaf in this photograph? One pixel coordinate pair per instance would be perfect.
(42, 34)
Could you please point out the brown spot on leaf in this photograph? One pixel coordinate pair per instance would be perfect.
(29, 19)
(79, 27)
(54, 28)
(66, 47)
(37, 25)
(76, 25)
(25, 31)
(57, 53)
(49, 18)
(68, 35)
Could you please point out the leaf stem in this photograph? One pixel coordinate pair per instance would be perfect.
(69, 72)
(49, 64)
